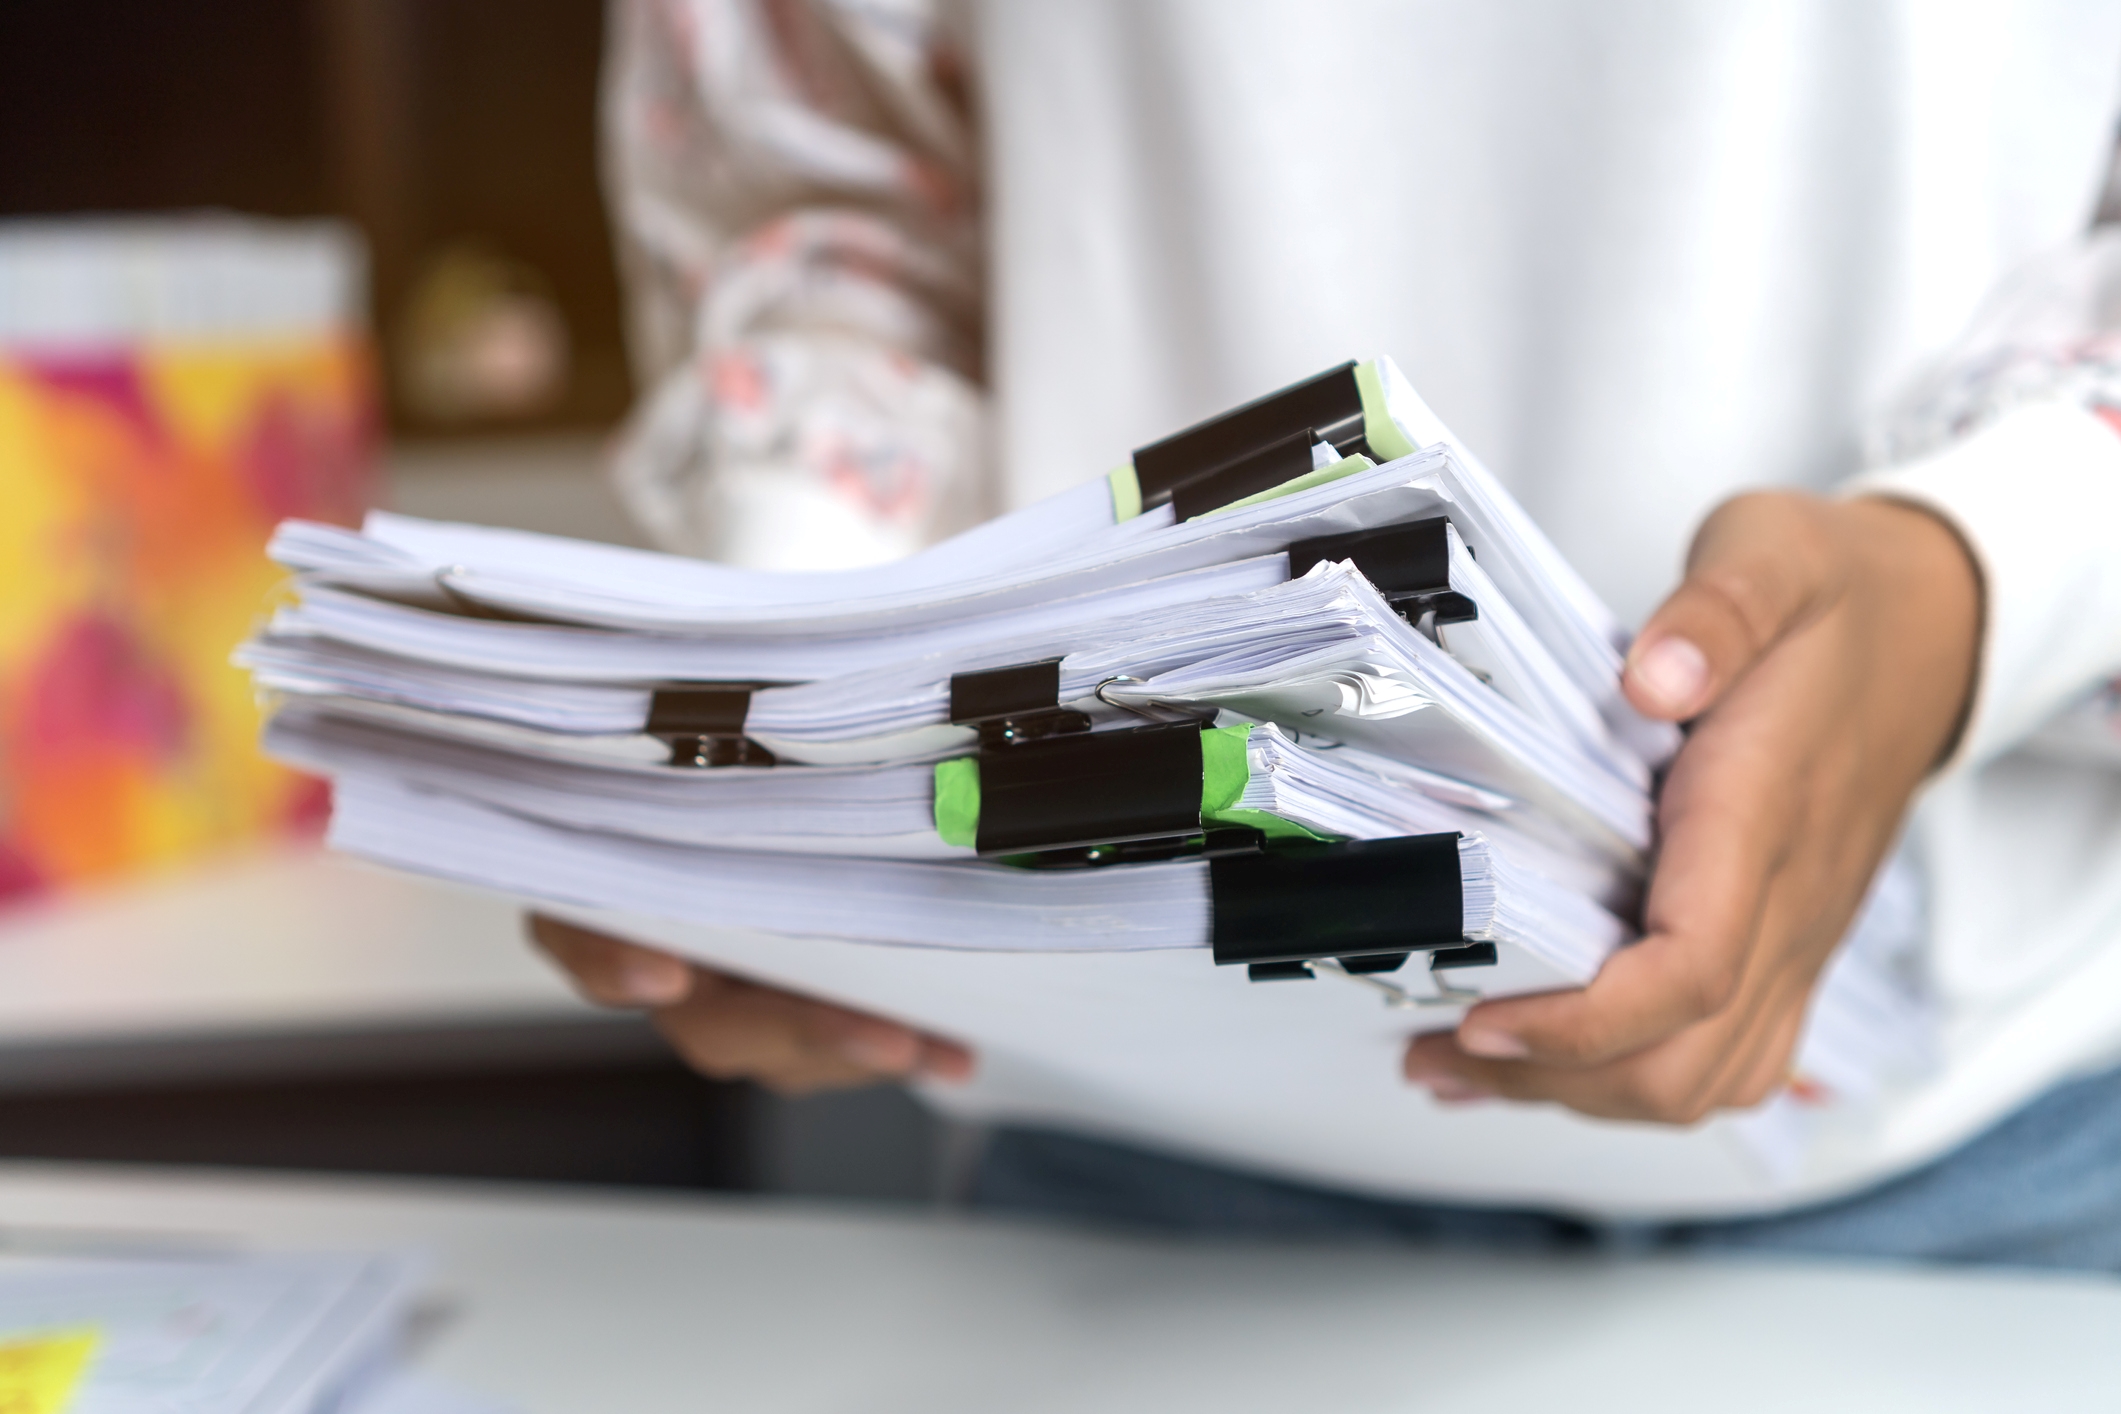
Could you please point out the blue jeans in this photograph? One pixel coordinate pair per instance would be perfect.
(2040, 1189)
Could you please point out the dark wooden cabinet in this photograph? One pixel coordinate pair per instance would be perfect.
(439, 127)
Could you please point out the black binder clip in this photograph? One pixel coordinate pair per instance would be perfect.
(1255, 447)
(703, 724)
(1094, 797)
(1056, 795)
(1359, 908)
(1410, 565)
(1013, 705)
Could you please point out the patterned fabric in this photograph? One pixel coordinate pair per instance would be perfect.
(137, 489)
(794, 188)
(2052, 331)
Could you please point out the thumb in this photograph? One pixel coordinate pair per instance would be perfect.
(1759, 568)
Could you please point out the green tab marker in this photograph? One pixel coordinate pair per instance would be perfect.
(1226, 769)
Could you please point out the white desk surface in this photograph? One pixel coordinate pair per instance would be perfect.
(567, 1301)
(289, 945)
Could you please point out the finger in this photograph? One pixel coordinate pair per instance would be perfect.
(1773, 1065)
(1747, 1060)
(883, 1048)
(946, 1060)
(1645, 994)
(1760, 566)
(1708, 1067)
(735, 1028)
(1734, 1060)
(785, 1070)
(734, 1031)
(887, 1048)
(1435, 1061)
(1779, 998)
(1661, 1086)
(1705, 911)
(1729, 815)
(1616, 1091)
(610, 970)
(1803, 914)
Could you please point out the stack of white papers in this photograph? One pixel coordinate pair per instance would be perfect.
(1321, 700)
(486, 700)
(1324, 651)
(1553, 936)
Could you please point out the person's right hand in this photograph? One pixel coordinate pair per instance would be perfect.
(731, 1029)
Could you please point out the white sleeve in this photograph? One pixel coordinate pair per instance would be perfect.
(2036, 496)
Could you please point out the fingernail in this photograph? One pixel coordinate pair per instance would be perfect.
(945, 1066)
(892, 1054)
(653, 981)
(1494, 1045)
(1450, 1090)
(1675, 672)
(1421, 1071)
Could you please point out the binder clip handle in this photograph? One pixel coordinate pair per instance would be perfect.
(703, 724)
(1010, 706)
(705, 751)
(1014, 731)
(1409, 564)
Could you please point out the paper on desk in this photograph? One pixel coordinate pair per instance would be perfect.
(276, 1334)
(401, 1391)
(39, 1373)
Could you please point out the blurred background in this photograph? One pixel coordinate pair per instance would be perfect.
(262, 258)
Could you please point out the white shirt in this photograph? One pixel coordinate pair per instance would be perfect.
(1639, 256)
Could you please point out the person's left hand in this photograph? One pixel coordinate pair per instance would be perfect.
(735, 1029)
(1824, 652)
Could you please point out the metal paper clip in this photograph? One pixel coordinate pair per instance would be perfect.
(1100, 691)
(1394, 995)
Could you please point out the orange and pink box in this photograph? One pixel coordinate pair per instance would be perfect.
(169, 391)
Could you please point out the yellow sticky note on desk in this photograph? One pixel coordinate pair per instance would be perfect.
(39, 1375)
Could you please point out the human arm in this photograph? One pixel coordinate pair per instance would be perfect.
(794, 191)
(1824, 652)
(1848, 649)
(731, 1029)
(2005, 447)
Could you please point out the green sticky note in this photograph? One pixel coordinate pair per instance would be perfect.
(957, 801)
(1274, 827)
(1378, 428)
(1224, 768)
(1126, 493)
(1225, 771)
